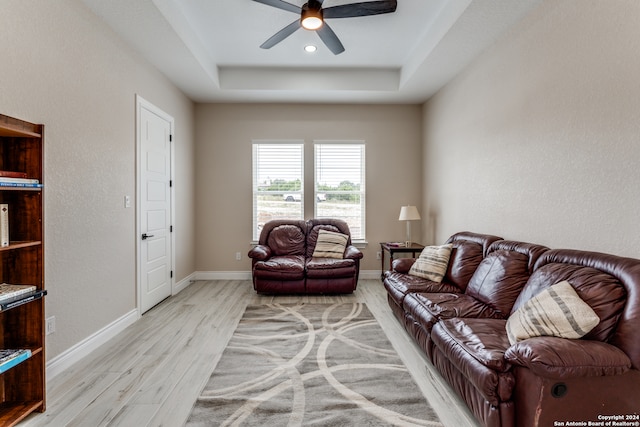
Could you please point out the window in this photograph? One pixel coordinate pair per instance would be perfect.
(278, 184)
(340, 183)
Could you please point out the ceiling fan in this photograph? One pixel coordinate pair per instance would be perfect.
(312, 16)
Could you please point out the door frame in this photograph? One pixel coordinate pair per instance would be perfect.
(142, 103)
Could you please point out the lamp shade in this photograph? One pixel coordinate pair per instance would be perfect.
(409, 213)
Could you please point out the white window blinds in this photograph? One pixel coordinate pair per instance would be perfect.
(340, 183)
(278, 182)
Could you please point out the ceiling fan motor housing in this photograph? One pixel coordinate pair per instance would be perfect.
(311, 11)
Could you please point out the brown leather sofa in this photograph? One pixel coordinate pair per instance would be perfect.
(283, 261)
(540, 381)
(468, 251)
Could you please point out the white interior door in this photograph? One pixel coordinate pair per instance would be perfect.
(155, 242)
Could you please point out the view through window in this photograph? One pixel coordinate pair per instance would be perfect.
(278, 183)
(339, 188)
(339, 184)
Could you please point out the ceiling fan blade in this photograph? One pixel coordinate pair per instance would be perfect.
(281, 35)
(280, 4)
(330, 39)
(366, 8)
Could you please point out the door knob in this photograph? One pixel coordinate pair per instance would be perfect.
(145, 236)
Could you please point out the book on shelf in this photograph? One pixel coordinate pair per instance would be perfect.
(10, 358)
(4, 225)
(19, 180)
(8, 291)
(22, 299)
(13, 174)
(20, 184)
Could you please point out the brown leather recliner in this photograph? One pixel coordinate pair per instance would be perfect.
(283, 262)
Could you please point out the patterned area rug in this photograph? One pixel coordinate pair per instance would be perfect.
(311, 365)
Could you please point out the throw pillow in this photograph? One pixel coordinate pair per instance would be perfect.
(432, 263)
(330, 245)
(557, 311)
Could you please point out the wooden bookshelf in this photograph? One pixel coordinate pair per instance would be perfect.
(22, 387)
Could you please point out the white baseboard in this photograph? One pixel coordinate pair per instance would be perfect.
(72, 355)
(246, 275)
(183, 284)
(370, 274)
(223, 275)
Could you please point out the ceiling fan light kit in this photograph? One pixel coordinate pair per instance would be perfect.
(313, 15)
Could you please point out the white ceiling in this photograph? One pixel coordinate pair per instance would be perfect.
(210, 48)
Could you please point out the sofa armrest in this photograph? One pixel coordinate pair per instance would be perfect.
(260, 253)
(561, 358)
(351, 252)
(402, 265)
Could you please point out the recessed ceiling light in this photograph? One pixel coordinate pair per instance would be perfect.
(310, 48)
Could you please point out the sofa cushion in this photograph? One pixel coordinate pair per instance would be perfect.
(286, 239)
(499, 279)
(467, 252)
(432, 263)
(330, 245)
(330, 267)
(476, 348)
(398, 285)
(314, 227)
(557, 311)
(603, 292)
(429, 308)
(289, 267)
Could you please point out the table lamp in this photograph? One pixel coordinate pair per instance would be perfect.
(409, 213)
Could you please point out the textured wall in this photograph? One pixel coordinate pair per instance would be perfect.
(224, 133)
(539, 138)
(62, 67)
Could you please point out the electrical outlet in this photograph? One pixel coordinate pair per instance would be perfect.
(50, 325)
(378, 255)
(238, 256)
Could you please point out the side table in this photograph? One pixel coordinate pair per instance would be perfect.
(391, 248)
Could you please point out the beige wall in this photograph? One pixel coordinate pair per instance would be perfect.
(539, 140)
(224, 133)
(62, 67)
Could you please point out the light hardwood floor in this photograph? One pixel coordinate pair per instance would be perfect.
(151, 374)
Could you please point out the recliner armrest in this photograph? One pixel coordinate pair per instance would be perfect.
(402, 265)
(351, 252)
(561, 358)
(260, 253)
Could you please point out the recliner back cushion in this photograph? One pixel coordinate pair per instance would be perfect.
(499, 279)
(286, 240)
(465, 257)
(603, 292)
(312, 236)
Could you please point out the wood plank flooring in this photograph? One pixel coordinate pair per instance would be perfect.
(151, 374)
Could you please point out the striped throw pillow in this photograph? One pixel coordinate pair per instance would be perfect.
(557, 311)
(432, 263)
(330, 245)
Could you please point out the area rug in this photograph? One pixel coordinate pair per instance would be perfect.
(310, 365)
